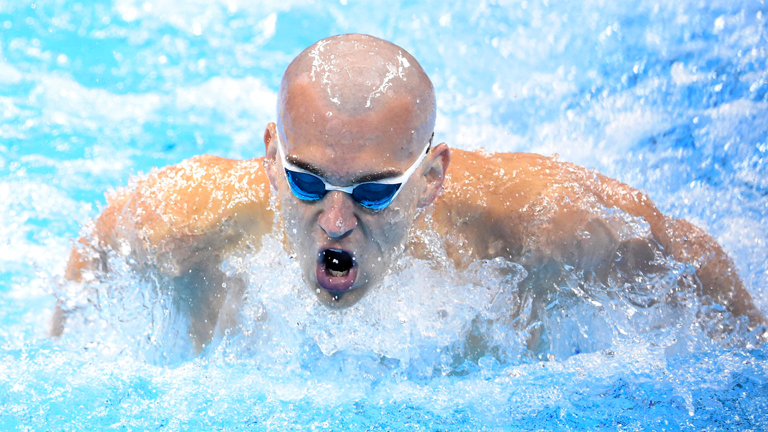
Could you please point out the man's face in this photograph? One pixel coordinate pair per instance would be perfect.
(344, 248)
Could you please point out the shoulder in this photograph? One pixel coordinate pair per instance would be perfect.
(517, 204)
(505, 182)
(486, 202)
(526, 180)
(200, 191)
(178, 207)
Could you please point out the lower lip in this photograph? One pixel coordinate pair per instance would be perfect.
(335, 284)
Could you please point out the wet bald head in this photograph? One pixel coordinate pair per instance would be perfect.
(356, 88)
(352, 109)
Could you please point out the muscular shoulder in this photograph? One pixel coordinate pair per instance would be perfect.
(516, 178)
(201, 191)
(517, 204)
(481, 210)
(497, 187)
(174, 208)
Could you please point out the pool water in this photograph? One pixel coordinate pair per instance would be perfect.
(669, 98)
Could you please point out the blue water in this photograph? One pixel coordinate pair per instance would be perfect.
(669, 98)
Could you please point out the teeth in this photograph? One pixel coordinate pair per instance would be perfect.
(335, 273)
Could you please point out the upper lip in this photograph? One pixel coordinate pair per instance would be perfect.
(334, 247)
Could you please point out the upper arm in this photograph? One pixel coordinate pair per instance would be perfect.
(686, 243)
(714, 269)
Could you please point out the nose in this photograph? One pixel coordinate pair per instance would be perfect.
(338, 219)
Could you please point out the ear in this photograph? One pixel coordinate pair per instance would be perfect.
(437, 166)
(270, 152)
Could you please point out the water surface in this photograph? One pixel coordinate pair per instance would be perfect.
(669, 98)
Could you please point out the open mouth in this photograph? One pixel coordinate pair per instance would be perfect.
(336, 270)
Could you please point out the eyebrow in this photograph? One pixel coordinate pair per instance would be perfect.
(369, 177)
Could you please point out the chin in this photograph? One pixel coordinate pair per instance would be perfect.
(339, 300)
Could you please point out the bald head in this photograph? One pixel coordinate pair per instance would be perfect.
(349, 81)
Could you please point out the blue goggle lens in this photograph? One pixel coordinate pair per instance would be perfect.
(306, 186)
(374, 196)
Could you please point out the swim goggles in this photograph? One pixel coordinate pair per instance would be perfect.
(375, 195)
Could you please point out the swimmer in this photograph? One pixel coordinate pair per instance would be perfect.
(353, 166)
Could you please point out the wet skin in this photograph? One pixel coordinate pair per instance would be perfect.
(182, 221)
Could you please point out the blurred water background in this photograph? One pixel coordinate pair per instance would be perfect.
(669, 97)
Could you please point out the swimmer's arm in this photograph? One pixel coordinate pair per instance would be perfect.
(715, 270)
(689, 244)
(88, 257)
(482, 217)
(566, 241)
